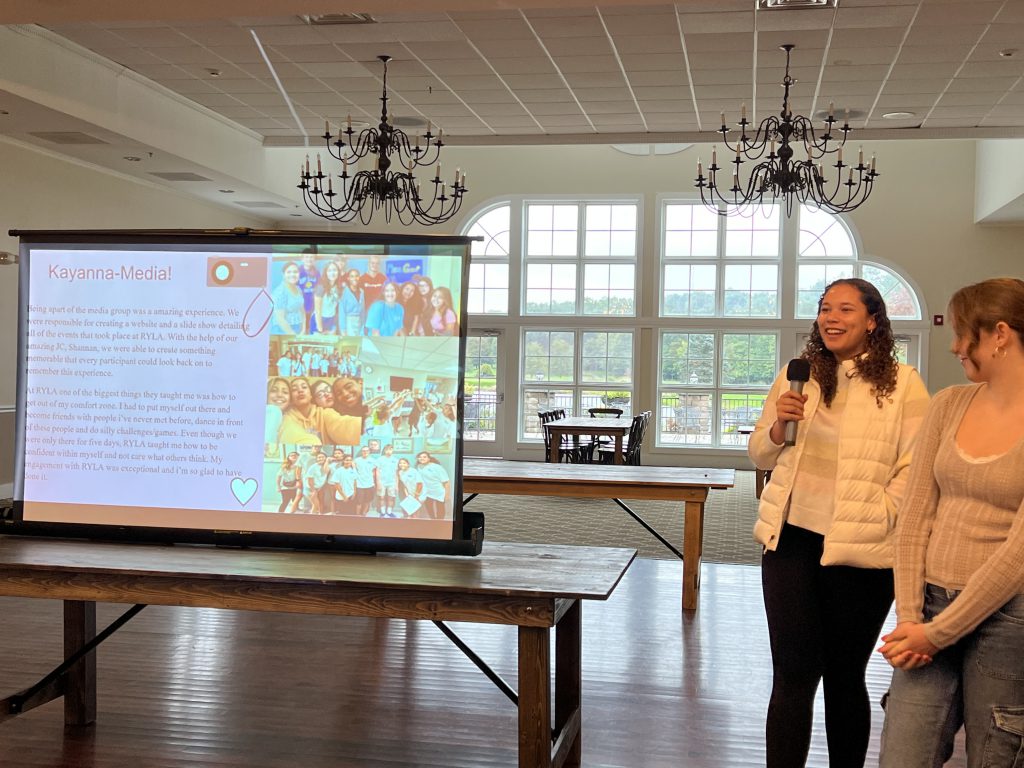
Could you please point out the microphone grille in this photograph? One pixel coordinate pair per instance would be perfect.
(798, 370)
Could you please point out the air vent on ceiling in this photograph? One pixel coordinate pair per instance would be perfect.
(327, 19)
(67, 137)
(258, 204)
(178, 176)
(779, 5)
(408, 122)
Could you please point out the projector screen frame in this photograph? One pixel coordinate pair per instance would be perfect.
(466, 527)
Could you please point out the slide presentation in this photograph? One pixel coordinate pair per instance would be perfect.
(303, 388)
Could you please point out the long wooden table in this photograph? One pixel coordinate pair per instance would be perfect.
(533, 587)
(609, 481)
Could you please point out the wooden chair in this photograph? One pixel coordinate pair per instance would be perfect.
(631, 444)
(587, 451)
(566, 452)
(595, 412)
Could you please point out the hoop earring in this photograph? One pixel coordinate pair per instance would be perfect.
(1000, 353)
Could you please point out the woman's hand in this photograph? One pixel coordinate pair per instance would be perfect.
(789, 407)
(906, 647)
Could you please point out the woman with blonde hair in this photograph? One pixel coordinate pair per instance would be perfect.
(826, 519)
(958, 644)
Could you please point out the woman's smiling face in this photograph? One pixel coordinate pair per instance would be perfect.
(278, 394)
(844, 322)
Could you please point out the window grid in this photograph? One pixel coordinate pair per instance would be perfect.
(599, 242)
(711, 384)
(702, 268)
(574, 370)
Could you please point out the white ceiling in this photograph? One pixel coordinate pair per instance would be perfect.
(505, 72)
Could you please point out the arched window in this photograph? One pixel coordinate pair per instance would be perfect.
(558, 279)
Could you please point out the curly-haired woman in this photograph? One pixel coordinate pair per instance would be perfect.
(826, 520)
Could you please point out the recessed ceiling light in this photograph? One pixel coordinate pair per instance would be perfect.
(131, 158)
(4, 112)
(1007, 53)
(226, 191)
(897, 115)
(296, 215)
(213, 72)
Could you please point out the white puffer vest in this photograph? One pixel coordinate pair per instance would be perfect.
(871, 454)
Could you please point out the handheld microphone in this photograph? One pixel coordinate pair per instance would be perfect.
(798, 372)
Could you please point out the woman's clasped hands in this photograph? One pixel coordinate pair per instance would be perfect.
(906, 647)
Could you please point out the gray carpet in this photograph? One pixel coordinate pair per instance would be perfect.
(728, 521)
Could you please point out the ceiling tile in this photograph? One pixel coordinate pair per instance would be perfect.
(641, 24)
(567, 27)
(554, 108)
(648, 44)
(957, 14)
(596, 64)
(675, 78)
(715, 43)
(898, 16)
(944, 35)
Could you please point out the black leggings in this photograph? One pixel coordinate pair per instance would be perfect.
(823, 622)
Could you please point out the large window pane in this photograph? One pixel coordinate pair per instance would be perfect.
(493, 227)
(607, 357)
(685, 418)
(749, 359)
(610, 230)
(751, 290)
(542, 399)
(608, 289)
(481, 386)
(550, 289)
(691, 231)
(689, 290)
(548, 355)
(900, 302)
(823, 236)
(754, 236)
(811, 281)
(688, 359)
(488, 289)
(738, 409)
(551, 230)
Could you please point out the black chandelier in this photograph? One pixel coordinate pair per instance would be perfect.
(396, 193)
(779, 176)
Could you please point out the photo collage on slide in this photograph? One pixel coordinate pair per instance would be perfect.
(362, 383)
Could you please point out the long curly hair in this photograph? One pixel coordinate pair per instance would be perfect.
(878, 366)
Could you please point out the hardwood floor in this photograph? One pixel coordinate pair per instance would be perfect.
(197, 688)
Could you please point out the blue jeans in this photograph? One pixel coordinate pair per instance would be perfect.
(977, 683)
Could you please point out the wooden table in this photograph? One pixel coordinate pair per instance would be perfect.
(607, 481)
(533, 587)
(761, 476)
(577, 426)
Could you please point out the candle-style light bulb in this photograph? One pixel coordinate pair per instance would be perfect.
(318, 168)
(437, 173)
(743, 112)
(831, 109)
(714, 156)
(348, 122)
(839, 156)
(700, 168)
(307, 165)
(860, 157)
(462, 181)
(872, 163)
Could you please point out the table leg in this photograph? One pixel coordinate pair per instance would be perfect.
(568, 688)
(80, 687)
(693, 547)
(619, 459)
(534, 697)
(555, 438)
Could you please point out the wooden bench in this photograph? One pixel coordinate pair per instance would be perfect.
(612, 481)
(533, 587)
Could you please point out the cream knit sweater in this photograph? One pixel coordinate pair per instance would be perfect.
(961, 525)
